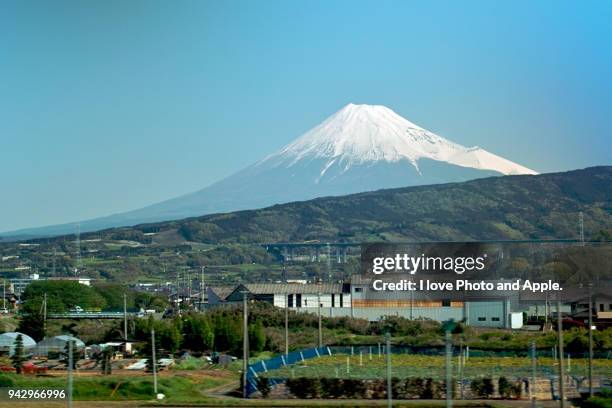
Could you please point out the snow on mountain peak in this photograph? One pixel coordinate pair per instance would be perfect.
(363, 134)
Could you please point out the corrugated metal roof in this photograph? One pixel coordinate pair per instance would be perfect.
(288, 288)
(222, 291)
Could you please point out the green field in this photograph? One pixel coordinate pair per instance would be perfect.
(423, 366)
(177, 387)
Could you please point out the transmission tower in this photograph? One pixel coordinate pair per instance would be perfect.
(78, 248)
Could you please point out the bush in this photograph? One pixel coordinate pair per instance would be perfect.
(440, 390)
(378, 389)
(504, 387)
(355, 388)
(303, 387)
(603, 401)
(397, 388)
(508, 389)
(414, 387)
(332, 388)
(428, 389)
(517, 390)
(482, 387)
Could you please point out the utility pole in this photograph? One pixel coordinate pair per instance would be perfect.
(461, 363)
(590, 339)
(245, 342)
(532, 387)
(3, 294)
(178, 284)
(320, 326)
(389, 388)
(45, 315)
(78, 248)
(411, 301)
(329, 275)
(154, 361)
(561, 370)
(449, 351)
(189, 286)
(286, 324)
(70, 364)
(202, 289)
(546, 310)
(125, 325)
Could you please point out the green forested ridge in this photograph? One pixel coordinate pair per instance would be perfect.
(512, 207)
(499, 208)
(544, 206)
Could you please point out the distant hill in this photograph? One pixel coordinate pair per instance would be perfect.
(545, 206)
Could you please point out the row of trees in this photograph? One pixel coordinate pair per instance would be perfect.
(220, 330)
(354, 388)
(408, 388)
(197, 332)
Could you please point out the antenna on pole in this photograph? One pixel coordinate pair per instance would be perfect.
(581, 219)
(125, 322)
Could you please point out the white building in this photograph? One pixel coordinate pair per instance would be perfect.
(333, 297)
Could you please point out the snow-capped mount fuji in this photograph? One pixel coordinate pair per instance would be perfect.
(365, 134)
(359, 148)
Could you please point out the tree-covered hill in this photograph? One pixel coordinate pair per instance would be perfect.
(500, 208)
(545, 206)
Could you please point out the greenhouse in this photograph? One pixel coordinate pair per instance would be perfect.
(7, 342)
(57, 345)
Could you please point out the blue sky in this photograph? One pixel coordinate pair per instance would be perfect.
(112, 105)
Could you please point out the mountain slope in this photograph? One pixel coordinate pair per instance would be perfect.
(359, 148)
(544, 206)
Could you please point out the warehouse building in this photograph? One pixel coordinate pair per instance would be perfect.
(477, 308)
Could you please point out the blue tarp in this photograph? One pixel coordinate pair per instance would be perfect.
(279, 361)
